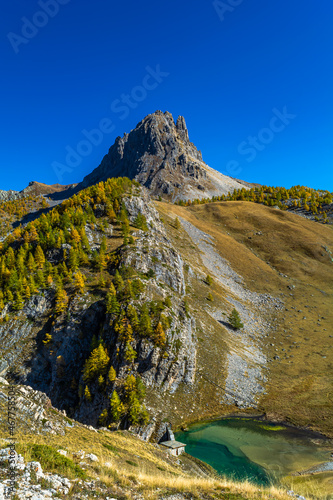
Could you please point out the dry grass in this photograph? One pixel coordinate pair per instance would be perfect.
(290, 252)
(154, 472)
(314, 486)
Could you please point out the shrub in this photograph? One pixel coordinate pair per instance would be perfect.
(53, 461)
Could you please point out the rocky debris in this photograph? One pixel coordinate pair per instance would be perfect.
(38, 304)
(8, 195)
(295, 495)
(159, 154)
(95, 236)
(58, 485)
(62, 452)
(246, 362)
(32, 410)
(324, 467)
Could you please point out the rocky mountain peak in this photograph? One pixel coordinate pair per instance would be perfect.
(159, 154)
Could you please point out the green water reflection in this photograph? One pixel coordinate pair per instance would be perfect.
(250, 449)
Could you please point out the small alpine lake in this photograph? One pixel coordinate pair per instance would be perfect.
(254, 450)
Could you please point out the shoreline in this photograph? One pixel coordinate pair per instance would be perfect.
(261, 417)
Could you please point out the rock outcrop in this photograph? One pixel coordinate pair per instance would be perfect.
(8, 195)
(159, 155)
(53, 368)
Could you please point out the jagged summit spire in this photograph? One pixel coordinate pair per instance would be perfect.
(158, 153)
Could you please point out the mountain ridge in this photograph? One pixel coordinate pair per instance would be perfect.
(158, 154)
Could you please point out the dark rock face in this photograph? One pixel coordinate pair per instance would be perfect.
(159, 154)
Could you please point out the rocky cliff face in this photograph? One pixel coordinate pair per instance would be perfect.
(56, 369)
(159, 154)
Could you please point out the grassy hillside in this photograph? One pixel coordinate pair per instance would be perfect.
(94, 258)
(126, 467)
(289, 257)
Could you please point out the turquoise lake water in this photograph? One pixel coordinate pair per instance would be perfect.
(250, 449)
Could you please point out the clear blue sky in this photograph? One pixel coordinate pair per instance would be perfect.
(227, 72)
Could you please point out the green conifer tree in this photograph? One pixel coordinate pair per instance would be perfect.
(117, 407)
(145, 328)
(103, 418)
(96, 364)
(112, 374)
(118, 281)
(234, 320)
(87, 393)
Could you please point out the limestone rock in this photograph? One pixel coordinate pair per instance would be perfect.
(159, 155)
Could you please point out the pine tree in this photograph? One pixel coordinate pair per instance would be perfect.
(101, 281)
(130, 386)
(130, 353)
(49, 281)
(84, 240)
(112, 374)
(145, 328)
(110, 293)
(61, 301)
(19, 302)
(20, 265)
(141, 222)
(75, 236)
(32, 285)
(103, 418)
(135, 411)
(103, 246)
(40, 279)
(133, 317)
(159, 336)
(210, 297)
(100, 380)
(10, 258)
(39, 257)
(73, 259)
(112, 306)
(234, 320)
(87, 394)
(32, 233)
(79, 284)
(101, 261)
(126, 334)
(140, 389)
(2, 304)
(118, 281)
(127, 292)
(96, 364)
(177, 223)
(209, 280)
(117, 407)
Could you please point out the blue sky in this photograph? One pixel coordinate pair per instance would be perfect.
(230, 68)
